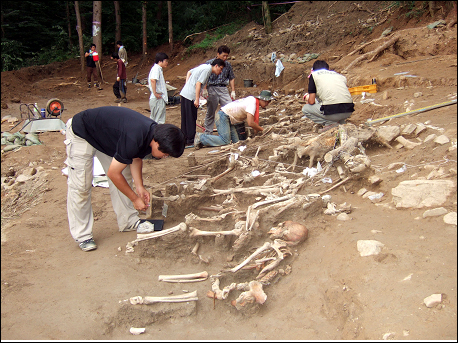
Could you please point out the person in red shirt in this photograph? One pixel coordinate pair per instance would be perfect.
(120, 86)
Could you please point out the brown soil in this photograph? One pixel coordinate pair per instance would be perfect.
(52, 290)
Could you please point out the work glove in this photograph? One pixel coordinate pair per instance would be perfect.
(306, 97)
(205, 93)
(233, 95)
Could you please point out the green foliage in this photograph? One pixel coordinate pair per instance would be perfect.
(36, 32)
(218, 34)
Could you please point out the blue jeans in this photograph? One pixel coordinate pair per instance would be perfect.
(226, 132)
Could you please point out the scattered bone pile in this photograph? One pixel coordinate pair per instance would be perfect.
(289, 157)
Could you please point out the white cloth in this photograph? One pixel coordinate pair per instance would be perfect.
(278, 68)
(156, 73)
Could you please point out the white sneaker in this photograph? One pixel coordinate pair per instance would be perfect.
(145, 227)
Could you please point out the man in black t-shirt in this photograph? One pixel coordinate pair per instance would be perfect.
(120, 138)
(329, 101)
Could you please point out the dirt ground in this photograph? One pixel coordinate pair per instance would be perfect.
(324, 289)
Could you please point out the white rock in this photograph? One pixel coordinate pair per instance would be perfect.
(343, 216)
(22, 178)
(377, 197)
(435, 212)
(368, 194)
(422, 193)
(409, 129)
(430, 137)
(433, 300)
(362, 191)
(420, 128)
(388, 133)
(369, 247)
(395, 165)
(417, 94)
(450, 218)
(137, 331)
(375, 179)
(442, 139)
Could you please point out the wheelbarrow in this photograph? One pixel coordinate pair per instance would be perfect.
(40, 121)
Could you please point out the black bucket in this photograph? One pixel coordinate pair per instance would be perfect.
(241, 132)
(248, 83)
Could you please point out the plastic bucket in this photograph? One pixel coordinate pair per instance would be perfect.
(248, 83)
(95, 56)
(241, 132)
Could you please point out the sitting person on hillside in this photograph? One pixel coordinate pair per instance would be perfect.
(232, 114)
(329, 102)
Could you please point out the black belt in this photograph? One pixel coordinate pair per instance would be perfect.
(218, 85)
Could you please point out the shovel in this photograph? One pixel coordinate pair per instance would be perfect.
(135, 80)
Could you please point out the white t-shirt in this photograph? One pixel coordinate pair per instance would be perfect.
(200, 74)
(238, 110)
(156, 74)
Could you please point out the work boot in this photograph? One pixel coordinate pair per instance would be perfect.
(118, 100)
(96, 85)
(124, 99)
(88, 85)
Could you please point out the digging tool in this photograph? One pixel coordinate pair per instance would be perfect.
(424, 109)
(135, 80)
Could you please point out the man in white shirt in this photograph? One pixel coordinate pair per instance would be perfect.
(156, 84)
(234, 113)
(190, 94)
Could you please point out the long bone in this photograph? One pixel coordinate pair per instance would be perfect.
(249, 190)
(143, 236)
(202, 276)
(197, 233)
(193, 219)
(264, 247)
(260, 203)
(171, 299)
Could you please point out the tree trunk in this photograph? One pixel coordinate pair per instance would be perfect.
(159, 11)
(266, 14)
(80, 35)
(144, 45)
(97, 31)
(97, 27)
(432, 7)
(169, 7)
(70, 44)
(118, 21)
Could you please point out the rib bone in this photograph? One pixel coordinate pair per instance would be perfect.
(185, 277)
(171, 299)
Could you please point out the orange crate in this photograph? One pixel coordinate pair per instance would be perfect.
(360, 89)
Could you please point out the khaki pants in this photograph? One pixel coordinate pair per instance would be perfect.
(80, 162)
(216, 95)
(157, 107)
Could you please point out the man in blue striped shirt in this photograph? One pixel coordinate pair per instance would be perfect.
(217, 91)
